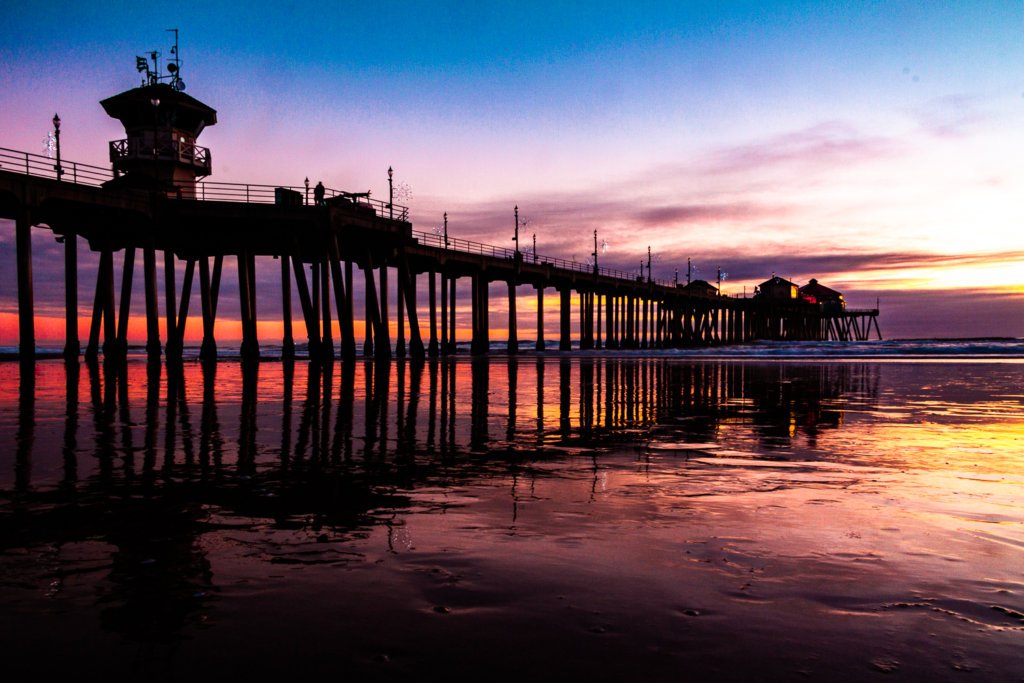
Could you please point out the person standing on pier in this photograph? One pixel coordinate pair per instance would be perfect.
(318, 194)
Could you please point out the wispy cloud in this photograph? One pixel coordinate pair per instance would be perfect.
(951, 116)
(830, 144)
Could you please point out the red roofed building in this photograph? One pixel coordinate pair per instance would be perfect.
(816, 293)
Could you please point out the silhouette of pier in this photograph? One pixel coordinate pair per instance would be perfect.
(153, 200)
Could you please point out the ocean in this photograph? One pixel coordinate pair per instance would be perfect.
(766, 512)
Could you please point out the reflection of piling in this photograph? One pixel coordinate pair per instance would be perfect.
(25, 437)
(564, 393)
(69, 444)
(478, 435)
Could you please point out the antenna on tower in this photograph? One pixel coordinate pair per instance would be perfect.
(153, 75)
(174, 65)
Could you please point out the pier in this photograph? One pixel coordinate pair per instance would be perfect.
(616, 310)
(154, 201)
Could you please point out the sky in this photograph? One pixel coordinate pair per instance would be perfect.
(874, 146)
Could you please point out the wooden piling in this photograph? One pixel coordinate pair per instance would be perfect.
(513, 335)
(71, 344)
(288, 341)
(540, 318)
(124, 312)
(400, 283)
(343, 301)
(309, 313)
(444, 314)
(327, 343)
(26, 298)
(170, 310)
(451, 314)
(432, 295)
(564, 340)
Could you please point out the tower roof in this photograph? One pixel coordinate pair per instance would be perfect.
(135, 107)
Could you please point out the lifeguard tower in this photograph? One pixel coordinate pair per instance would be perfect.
(162, 124)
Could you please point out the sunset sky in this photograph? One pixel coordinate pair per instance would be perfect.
(874, 146)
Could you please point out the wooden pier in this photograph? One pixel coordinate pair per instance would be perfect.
(615, 310)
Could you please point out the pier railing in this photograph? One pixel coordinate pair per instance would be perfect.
(44, 167)
(268, 194)
(94, 176)
(41, 166)
(468, 246)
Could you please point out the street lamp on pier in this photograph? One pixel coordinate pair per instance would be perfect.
(391, 193)
(445, 229)
(306, 181)
(56, 135)
(534, 247)
(648, 263)
(595, 252)
(515, 237)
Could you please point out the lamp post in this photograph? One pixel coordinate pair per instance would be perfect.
(595, 252)
(391, 193)
(534, 247)
(648, 263)
(307, 190)
(445, 229)
(56, 135)
(515, 237)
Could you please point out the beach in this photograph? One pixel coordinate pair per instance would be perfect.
(746, 517)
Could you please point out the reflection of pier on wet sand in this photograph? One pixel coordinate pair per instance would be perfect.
(197, 513)
(141, 423)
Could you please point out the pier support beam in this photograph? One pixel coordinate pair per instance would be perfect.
(250, 350)
(481, 314)
(432, 295)
(513, 334)
(382, 348)
(288, 342)
(102, 308)
(186, 297)
(451, 314)
(170, 309)
(327, 344)
(309, 313)
(72, 347)
(540, 318)
(643, 322)
(564, 340)
(125, 311)
(343, 302)
(152, 309)
(444, 314)
(208, 350)
(26, 298)
(408, 279)
(609, 321)
(400, 283)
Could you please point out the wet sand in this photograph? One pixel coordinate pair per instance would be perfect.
(613, 518)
